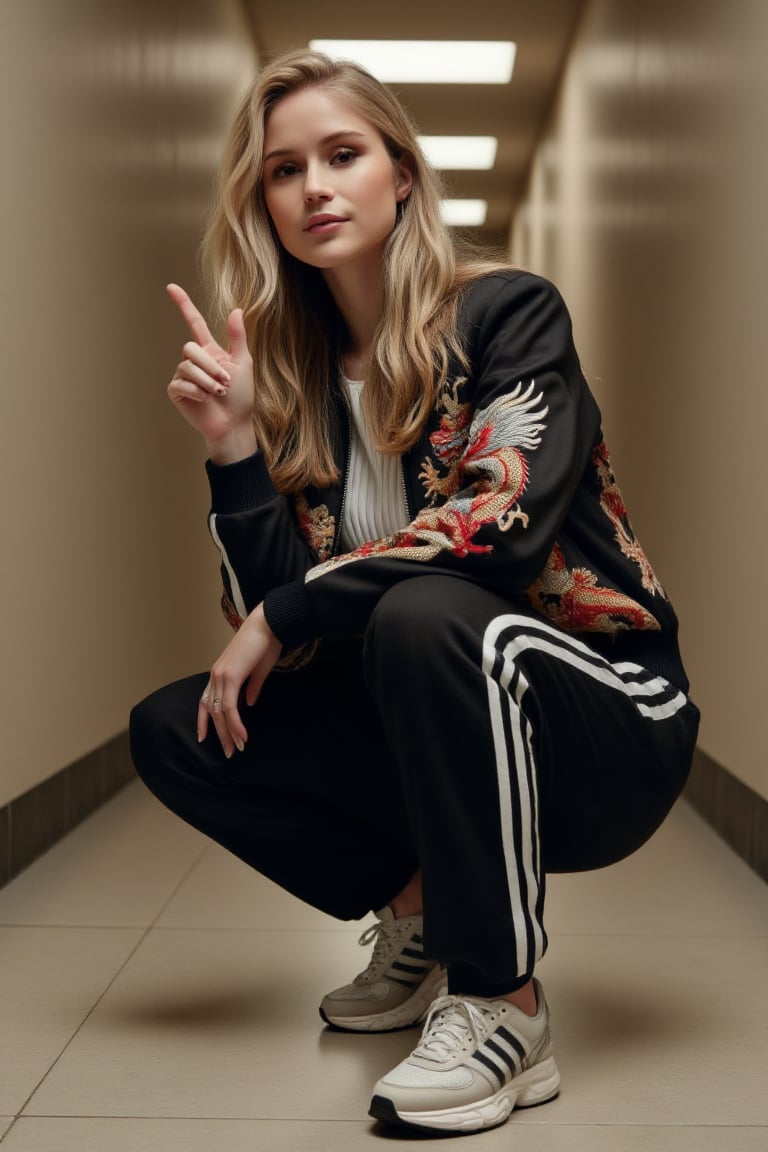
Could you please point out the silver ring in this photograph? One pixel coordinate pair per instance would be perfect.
(215, 701)
(204, 699)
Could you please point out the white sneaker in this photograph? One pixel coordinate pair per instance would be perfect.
(397, 987)
(476, 1061)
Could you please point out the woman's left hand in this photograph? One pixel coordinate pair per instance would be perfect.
(250, 655)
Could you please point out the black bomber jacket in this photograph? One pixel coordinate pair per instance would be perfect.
(510, 486)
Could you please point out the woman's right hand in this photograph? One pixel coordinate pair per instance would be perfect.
(213, 387)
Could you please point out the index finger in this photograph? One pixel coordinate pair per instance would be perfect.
(194, 319)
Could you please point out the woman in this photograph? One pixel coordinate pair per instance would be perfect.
(454, 669)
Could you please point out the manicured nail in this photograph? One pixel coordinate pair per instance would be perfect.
(228, 753)
(221, 391)
(224, 375)
(199, 737)
(239, 744)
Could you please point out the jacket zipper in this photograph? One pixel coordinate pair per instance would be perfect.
(405, 489)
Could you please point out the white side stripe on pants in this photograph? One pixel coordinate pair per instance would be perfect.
(506, 639)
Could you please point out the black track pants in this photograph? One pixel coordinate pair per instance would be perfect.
(464, 736)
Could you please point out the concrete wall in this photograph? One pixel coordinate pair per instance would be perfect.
(646, 204)
(111, 118)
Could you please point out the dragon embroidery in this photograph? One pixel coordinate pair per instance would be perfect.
(572, 599)
(492, 471)
(448, 443)
(612, 504)
(317, 525)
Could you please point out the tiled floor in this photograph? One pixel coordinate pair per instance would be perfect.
(157, 995)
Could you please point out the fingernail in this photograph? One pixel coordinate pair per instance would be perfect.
(224, 375)
(239, 744)
(199, 738)
(228, 753)
(221, 391)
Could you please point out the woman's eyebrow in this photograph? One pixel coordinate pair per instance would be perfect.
(325, 140)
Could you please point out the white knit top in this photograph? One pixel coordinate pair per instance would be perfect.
(374, 504)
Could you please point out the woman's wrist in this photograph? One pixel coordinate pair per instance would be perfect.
(237, 445)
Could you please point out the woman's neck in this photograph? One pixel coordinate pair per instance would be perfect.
(359, 297)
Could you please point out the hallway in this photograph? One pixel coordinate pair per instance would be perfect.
(161, 996)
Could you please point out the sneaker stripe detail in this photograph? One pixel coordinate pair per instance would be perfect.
(512, 1040)
(506, 639)
(491, 1066)
(507, 1057)
(416, 953)
(415, 969)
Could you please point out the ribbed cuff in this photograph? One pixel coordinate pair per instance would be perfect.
(240, 486)
(287, 612)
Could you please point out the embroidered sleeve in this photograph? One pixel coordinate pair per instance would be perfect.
(508, 450)
(483, 485)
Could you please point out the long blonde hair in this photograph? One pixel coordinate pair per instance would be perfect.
(294, 329)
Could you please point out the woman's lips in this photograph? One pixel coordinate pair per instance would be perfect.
(320, 224)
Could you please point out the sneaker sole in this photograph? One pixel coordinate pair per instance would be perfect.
(410, 1012)
(535, 1086)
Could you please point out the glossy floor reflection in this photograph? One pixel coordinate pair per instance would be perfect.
(157, 995)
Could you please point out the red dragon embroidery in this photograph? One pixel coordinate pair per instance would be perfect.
(492, 474)
(572, 599)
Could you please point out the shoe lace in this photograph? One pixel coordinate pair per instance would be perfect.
(383, 935)
(451, 1020)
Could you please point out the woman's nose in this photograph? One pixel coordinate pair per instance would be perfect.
(316, 185)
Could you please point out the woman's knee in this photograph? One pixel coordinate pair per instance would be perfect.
(158, 720)
(425, 614)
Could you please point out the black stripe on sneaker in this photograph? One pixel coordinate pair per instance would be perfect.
(513, 1042)
(508, 1059)
(414, 969)
(488, 1063)
(416, 953)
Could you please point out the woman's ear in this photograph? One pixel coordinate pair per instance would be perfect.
(404, 182)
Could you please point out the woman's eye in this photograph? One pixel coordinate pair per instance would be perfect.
(344, 156)
(285, 170)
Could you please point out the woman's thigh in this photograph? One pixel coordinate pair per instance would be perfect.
(610, 745)
(490, 690)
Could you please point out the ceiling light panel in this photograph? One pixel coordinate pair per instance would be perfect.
(464, 213)
(460, 152)
(428, 61)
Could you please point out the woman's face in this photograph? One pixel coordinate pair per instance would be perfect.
(330, 185)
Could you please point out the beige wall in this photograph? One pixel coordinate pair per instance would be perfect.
(111, 118)
(647, 205)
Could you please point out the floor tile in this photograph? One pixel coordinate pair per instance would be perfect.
(684, 881)
(57, 1134)
(670, 1029)
(224, 1025)
(221, 892)
(51, 978)
(116, 869)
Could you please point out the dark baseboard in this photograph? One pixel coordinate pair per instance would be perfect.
(33, 822)
(737, 813)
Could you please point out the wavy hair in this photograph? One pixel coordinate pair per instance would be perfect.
(295, 331)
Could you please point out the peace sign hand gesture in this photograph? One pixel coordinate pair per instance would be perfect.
(213, 387)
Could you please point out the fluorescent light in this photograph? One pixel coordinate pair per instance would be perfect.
(464, 213)
(455, 152)
(428, 61)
